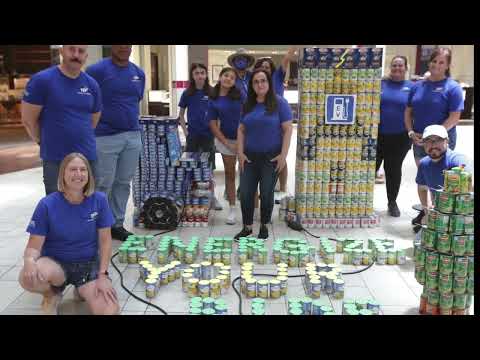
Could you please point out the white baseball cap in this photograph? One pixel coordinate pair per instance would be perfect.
(435, 130)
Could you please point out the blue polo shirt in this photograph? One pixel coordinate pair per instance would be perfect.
(122, 90)
(393, 101)
(228, 111)
(71, 231)
(197, 111)
(430, 173)
(66, 116)
(263, 131)
(433, 101)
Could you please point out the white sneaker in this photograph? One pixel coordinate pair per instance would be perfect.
(50, 304)
(231, 219)
(216, 204)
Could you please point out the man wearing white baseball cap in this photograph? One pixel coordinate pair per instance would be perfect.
(431, 168)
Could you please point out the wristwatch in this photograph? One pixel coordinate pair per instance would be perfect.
(410, 133)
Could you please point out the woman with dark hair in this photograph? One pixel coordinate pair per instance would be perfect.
(436, 100)
(278, 77)
(195, 99)
(263, 141)
(224, 111)
(393, 141)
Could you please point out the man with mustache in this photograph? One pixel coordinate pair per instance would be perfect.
(439, 159)
(60, 110)
(118, 133)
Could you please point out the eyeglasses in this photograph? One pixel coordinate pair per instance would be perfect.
(433, 141)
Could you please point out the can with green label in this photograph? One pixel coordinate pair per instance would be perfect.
(461, 266)
(431, 280)
(452, 181)
(444, 201)
(457, 224)
(445, 264)
(470, 267)
(429, 238)
(431, 261)
(432, 219)
(460, 301)
(464, 204)
(433, 297)
(340, 242)
(468, 224)
(401, 257)
(470, 285)
(465, 182)
(459, 245)
(459, 285)
(123, 254)
(445, 283)
(347, 256)
(446, 300)
(420, 256)
(420, 274)
(469, 244)
(443, 243)
(442, 222)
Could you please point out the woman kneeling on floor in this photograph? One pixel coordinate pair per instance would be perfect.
(70, 242)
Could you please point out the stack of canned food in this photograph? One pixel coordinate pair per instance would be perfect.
(308, 306)
(335, 167)
(252, 249)
(155, 277)
(173, 247)
(360, 307)
(286, 210)
(326, 278)
(218, 249)
(252, 287)
(206, 279)
(208, 306)
(296, 252)
(258, 306)
(134, 249)
(444, 259)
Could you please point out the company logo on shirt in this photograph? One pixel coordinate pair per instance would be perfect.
(32, 224)
(26, 93)
(136, 78)
(205, 98)
(84, 91)
(406, 88)
(438, 89)
(93, 216)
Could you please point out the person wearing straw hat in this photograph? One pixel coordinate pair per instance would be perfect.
(241, 61)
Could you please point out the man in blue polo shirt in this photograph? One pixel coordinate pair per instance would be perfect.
(118, 133)
(440, 157)
(60, 110)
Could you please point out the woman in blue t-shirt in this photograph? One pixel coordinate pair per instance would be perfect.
(195, 99)
(278, 78)
(224, 111)
(71, 243)
(437, 100)
(393, 141)
(263, 141)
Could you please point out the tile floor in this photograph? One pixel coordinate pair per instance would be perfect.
(394, 287)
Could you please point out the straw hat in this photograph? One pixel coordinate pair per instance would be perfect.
(241, 52)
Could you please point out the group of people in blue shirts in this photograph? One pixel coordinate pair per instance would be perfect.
(407, 112)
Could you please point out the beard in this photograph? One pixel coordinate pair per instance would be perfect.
(436, 154)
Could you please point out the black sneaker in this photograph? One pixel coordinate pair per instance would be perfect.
(419, 218)
(244, 233)
(263, 233)
(393, 209)
(119, 233)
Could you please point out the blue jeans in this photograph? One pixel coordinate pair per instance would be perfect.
(77, 273)
(117, 160)
(50, 175)
(259, 170)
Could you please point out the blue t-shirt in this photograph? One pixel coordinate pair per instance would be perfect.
(433, 101)
(228, 111)
(71, 231)
(66, 116)
(278, 78)
(122, 90)
(393, 102)
(242, 84)
(430, 173)
(197, 110)
(263, 131)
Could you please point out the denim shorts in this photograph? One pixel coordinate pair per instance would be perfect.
(77, 274)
